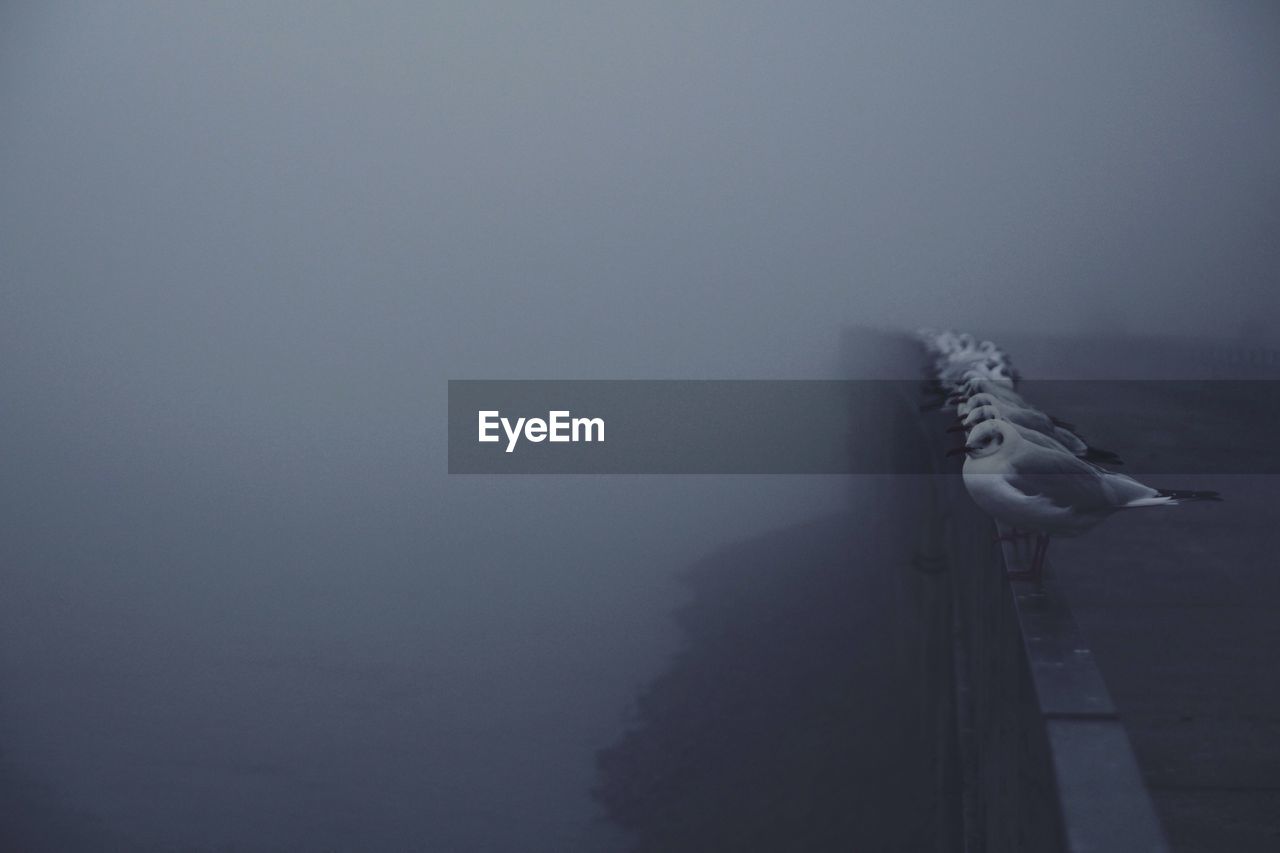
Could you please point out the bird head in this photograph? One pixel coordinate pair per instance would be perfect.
(987, 438)
(976, 401)
(975, 417)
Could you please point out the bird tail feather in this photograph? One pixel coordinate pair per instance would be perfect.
(1102, 457)
(1189, 495)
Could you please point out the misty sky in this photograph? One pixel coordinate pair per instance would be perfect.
(375, 192)
(244, 245)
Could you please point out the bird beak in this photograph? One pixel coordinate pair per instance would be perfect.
(956, 451)
(957, 428)
(956, 399)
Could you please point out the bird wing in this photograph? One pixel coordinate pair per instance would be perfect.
(1128, 491)
(1038, 438)
(1066, 481)
(1069, 439)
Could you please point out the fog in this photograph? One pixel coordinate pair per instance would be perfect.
(243, 246)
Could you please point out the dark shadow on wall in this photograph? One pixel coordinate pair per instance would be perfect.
(809, 709)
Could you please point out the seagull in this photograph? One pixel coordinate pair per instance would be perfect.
(993, 371)
(982, 414)
(1022, 413)
(951, 373)
(947, 345)
(955, 369)
(968, 351)
(1050, 492)
(986, 381)
(1035, 421)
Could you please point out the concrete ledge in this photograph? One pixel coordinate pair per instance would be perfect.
(1046, 764)
(1035, 756)
(1102, 798)
(1104, 803)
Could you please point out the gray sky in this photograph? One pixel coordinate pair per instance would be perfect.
(451, 188)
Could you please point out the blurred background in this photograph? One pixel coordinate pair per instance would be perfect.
(243, 246)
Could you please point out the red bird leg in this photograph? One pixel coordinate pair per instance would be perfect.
(1037, 562)
(1013, 535)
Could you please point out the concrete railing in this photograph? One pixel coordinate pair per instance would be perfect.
(1045, 763)
(1031, 755)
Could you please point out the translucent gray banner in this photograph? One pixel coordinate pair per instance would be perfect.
(836, 427)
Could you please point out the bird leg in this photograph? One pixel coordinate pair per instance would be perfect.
(1042, 549)
(1013, 535)
(1037, 561)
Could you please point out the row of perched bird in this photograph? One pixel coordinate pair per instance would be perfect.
(1027, 469)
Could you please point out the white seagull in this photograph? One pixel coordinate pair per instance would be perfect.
(1050, 492)
(974, 383)
(1022, 413)
(988, 413)
(989, 408)
(992, 371)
